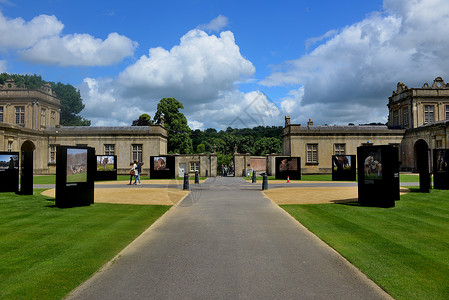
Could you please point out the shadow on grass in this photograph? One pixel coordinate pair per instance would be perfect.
(345, 201)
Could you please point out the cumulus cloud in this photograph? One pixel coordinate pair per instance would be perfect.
(357, 67)
(201, 72)
(196, 70)
(19, 34)
(41, 41)
(104, 106)
(215, 25)
(80, 50)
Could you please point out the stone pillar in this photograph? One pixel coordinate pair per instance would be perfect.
(213, 165)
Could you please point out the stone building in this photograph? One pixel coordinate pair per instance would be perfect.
(418, 123)
(29, 120)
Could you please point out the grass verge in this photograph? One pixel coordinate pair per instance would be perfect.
(46, 252)
(403, 249)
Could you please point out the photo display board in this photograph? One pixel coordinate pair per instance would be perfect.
(441, 169)
(162, 167)
(288, 167)
(343, 167)
(75, 173)
(106, 167)
(9, 172)
(378, 172)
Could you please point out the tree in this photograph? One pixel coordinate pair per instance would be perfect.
(71, 105)
(267, 145)
(143, 120)
(201, 148)
(179, 140)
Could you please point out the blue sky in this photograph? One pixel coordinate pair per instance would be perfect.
(231, 63)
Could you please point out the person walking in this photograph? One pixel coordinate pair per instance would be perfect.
(131, 173)
(138, 170)
(135, 172)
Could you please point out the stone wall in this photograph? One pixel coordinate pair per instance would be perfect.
(298, 138)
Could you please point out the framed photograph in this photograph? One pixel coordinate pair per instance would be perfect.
(160, 163)
(9, 161)
(343, 167)
(76, 165)
(372, 166)
(105, 163)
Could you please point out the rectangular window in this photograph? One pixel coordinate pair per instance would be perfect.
(109, 149)
(10, 146)
(43, 111)
(447, 112)
(396, 117)
(339, 149)
(429, 116)
(52, 154)
(137, 152)
(312, 153)
(1, 114)
(405, 116)
(194, 166)
(20, 115)
(52, 119)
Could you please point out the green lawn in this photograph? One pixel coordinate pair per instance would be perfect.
(45, 252)
(403, 249)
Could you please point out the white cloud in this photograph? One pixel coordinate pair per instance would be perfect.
(194, 71)
(41, 41)
(80, 50)
(104, 106)
(215, 25)
(19, 34)
(358, 68)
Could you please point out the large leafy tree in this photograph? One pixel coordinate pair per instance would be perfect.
(267, 145)
(71, 101)
(71, 105)
(175, 122)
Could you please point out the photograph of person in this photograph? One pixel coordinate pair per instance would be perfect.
(8, 161)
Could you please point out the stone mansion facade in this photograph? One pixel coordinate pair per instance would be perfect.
(418, 123)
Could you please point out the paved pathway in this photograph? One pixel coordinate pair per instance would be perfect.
(226, 241)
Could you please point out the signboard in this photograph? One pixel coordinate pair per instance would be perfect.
(378, 175)
(288, 167)
(75, 173)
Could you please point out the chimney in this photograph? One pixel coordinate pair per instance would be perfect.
(287, 121)
(310, 123)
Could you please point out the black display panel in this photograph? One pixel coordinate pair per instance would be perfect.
(441, 169)
(106, 167)
(9, 172)
(343, 167)
(378, 170)
(288, 167)
(162, 167)
(26, 176)
(75, 173)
